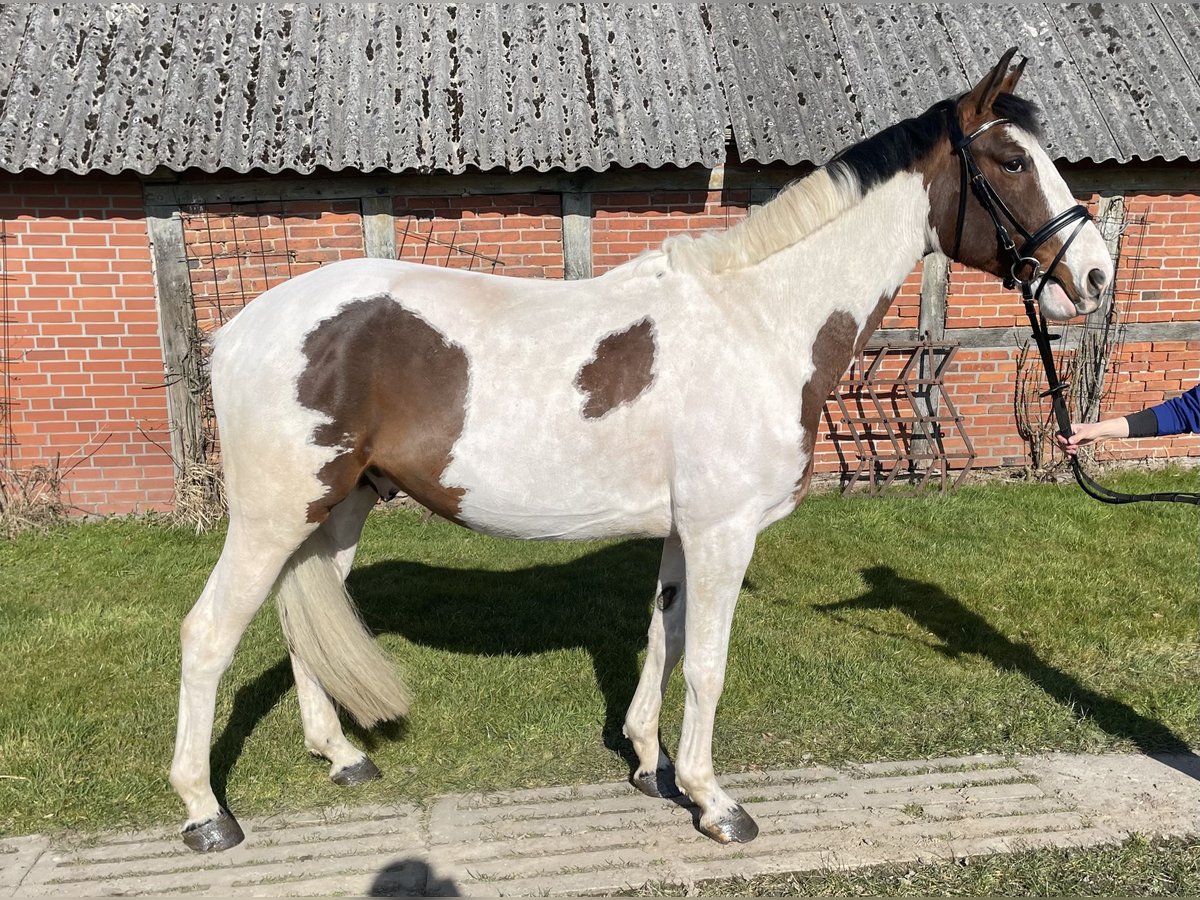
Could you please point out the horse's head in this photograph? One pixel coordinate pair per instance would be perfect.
(997, 203)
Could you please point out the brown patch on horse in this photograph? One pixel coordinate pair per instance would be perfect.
(620, 370)
(835, 345)
(395, 390)
(939, 172)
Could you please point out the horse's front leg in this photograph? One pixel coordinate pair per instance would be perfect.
(717, 558)
(655, 775)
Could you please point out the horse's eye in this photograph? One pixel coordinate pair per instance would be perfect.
(1016, 166)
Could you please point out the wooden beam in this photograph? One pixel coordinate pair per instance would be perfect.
(1083, 178)
(931, 323)
(178, 334)
(577, 235)
(1012, 338)
(252, 188)
(935, 288)
(379, 227)
(1131, 177)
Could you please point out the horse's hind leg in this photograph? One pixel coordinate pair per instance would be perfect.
(323, 735)
(250, 562)
(655, 775)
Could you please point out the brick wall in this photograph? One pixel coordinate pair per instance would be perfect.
(509, 234)
(84, 363)
(85, 370)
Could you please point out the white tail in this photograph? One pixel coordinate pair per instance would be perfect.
(323, 628)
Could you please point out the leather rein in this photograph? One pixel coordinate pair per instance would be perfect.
(1025, 271)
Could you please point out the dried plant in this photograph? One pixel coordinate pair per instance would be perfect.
(200, 501)
(30, 499)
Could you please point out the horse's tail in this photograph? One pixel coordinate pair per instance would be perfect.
(323, 628)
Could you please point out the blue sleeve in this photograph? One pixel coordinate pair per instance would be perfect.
(1179, 414)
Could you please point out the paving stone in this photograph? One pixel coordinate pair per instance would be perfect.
(595, 839)
(17, 857)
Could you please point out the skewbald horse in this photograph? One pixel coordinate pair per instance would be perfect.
(677, 396)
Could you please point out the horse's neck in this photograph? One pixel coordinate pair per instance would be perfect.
(850, 265)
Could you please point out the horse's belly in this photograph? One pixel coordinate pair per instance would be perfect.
(568, 480)
(551, 503)
(535, 521)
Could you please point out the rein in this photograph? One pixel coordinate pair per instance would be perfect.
(1025, 271)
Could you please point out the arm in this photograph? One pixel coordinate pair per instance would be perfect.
(1175, 416)
(1178, 415)
(1084, 433)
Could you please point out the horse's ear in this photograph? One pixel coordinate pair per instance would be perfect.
(981, 97)
(1009, 84)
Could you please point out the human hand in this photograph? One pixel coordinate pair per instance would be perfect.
(1084, 433)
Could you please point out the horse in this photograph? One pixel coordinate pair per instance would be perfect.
(675, 397)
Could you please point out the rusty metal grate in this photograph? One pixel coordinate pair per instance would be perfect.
(901, 425)
(445, 251)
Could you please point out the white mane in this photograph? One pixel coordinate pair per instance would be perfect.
(796, 212)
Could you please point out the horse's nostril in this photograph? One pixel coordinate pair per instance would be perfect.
(1097, 281)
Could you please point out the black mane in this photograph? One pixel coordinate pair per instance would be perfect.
(896, 148)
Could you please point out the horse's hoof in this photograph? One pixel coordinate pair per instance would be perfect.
(659, 783)
(362, 771)
(736, 827)
(216, 834)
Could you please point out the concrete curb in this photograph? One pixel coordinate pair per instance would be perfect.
(600, 838)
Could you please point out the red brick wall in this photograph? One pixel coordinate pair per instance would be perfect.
(509, 234)
(627, 223)
(85, 363)
(237, 251)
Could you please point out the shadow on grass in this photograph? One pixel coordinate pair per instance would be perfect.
(963, 632)
(251, 704)
(599, 602)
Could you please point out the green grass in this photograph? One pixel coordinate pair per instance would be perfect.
(1005, 618)
(1137, 868)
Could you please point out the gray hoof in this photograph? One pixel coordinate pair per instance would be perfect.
(659, 783)
(736, 827)
(216, 834)
(362, 771)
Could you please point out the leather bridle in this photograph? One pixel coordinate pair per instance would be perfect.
(1025, 270)
(1023, 267)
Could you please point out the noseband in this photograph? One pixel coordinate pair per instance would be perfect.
(1025, 270)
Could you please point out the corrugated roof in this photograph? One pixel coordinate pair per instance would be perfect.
(405, 87)
(360, 86)
(1114, 81)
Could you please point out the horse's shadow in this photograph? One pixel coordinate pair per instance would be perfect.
(964, 632)
(599, 602)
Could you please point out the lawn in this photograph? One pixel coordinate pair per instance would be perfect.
(1136, 868)
(1005, 618)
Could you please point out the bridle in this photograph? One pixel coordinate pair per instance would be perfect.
(1025, 271)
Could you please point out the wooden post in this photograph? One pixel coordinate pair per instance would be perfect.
(935, 288)
(178, 334)
(931, 324)
(577, 234)
(379, 227)
(1097, 343)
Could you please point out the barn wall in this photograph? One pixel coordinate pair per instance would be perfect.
(82, 361)
(85, 368)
